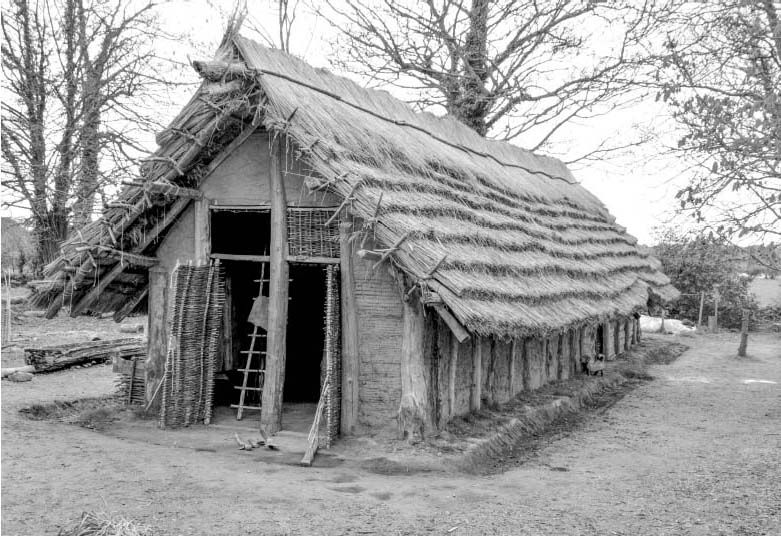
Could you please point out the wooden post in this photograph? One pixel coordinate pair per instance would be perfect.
(608, 347)
(201, 231)
(453, 375)
(104, 280)
(227, 327)
(716, 298)
(157, 333)
(415, 409)
(490, 383)
(702, 306)
(627, 333)
(512, 368)
(276, 342)
(350, 356)
(743, 334)
(476, 392)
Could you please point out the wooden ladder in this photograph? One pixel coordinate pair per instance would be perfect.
(255, 337)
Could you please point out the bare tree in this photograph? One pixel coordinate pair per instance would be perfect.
(722, 79)
(287, 16)
(78, 75)
(506, 69)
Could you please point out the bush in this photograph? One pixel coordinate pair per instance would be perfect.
(702, 264)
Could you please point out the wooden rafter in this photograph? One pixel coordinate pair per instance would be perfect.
(93, 294)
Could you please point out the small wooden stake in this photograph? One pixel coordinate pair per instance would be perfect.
(716, 298)
(702, 306)
(390, 250)
(744, 334)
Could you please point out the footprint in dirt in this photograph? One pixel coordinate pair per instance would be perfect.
(349, 489)
(343, 479)
(382, 495)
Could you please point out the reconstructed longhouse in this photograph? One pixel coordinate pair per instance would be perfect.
(296, 238)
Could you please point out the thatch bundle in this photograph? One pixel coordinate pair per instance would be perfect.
(103, 524)
(508, 239)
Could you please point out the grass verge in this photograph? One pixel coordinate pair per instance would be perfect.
(93, 413)
(496, 439)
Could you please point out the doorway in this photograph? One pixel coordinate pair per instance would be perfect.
(599, 341)
(304, 365)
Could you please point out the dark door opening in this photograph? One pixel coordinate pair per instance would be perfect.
(305, 333)
(240, 231)
(242, 278)
(599, 342)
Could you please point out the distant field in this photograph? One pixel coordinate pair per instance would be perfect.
(767, 291)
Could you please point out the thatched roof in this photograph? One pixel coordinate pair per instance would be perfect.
(526, 249)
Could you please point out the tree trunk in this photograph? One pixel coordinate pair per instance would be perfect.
(472, 105)
(88, 179)
(744, 334)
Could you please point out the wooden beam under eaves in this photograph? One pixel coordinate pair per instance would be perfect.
(455, 326)
(130, 305)
(103, 282)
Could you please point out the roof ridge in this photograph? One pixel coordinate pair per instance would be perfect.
(403, 123)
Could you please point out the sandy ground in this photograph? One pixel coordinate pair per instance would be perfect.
(697, 451)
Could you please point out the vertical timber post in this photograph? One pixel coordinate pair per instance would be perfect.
(201, 231)
(512, 368)
(157, 346)
(608, 346)
(476, 392)
(702, 306)
(350, 358)
(271, 412)
(454, 345)
(716, 297)
(415, 412)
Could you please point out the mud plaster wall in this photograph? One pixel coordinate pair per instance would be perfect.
(379, 345)
(536, 362)
(242, 178)
(179, 242)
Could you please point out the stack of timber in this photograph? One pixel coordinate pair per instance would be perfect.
(51, 358)
(130, 380)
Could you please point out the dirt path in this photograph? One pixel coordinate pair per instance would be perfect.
(696, 452)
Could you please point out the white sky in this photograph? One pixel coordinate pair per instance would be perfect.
(638, 188)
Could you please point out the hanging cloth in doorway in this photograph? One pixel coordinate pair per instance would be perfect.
(195, 304)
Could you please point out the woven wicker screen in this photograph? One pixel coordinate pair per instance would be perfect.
(308, 236)
(333, 403)
(195, 314)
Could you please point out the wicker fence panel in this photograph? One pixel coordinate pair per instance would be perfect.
(308, 234)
